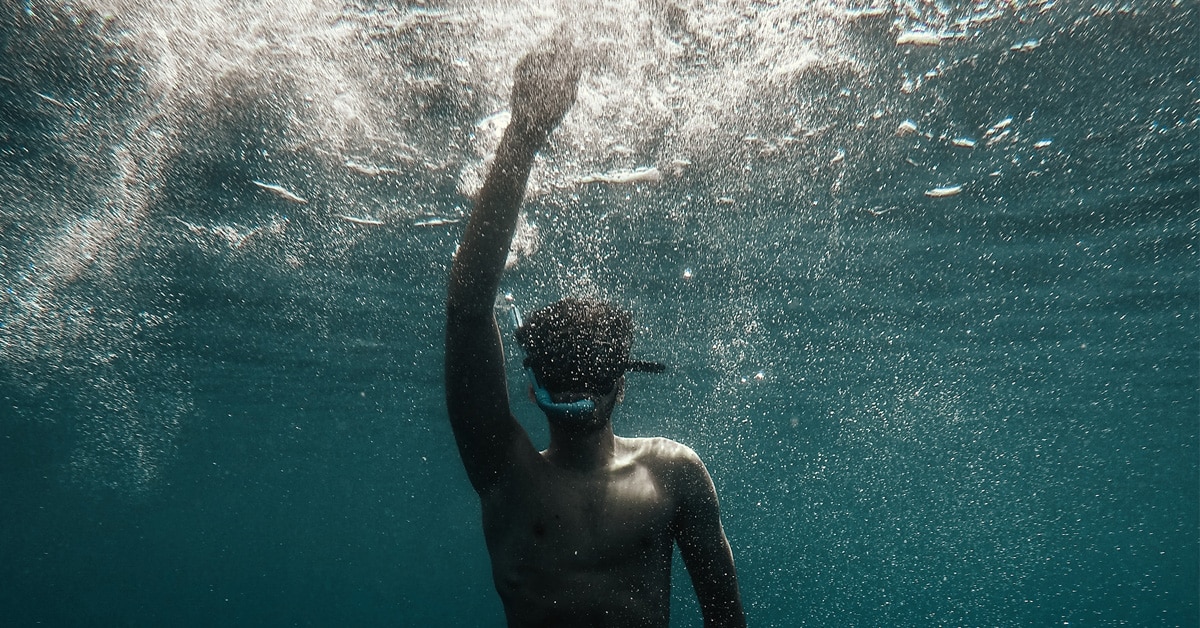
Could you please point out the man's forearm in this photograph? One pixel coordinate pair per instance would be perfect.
(479, 263)
(544, 84)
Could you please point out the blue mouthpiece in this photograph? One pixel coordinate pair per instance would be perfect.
(573, 411)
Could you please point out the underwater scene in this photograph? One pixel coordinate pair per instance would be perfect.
(924, 275)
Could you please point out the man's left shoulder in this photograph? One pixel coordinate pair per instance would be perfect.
(677, 468)
(665, 455)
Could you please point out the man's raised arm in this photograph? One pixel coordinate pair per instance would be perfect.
(476, 388)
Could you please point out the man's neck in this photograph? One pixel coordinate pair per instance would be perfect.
(586, 451)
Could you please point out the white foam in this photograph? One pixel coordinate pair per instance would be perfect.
(672, 82)
(920, 38)
(639, 175)
(280, 191)
(943, 192)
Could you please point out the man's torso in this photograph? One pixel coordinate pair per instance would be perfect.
(592, 549)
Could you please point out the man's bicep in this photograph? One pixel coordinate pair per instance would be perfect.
(705, 549)
(477, 398)
(476, 383)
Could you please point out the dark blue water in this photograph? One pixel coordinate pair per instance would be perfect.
(219, 406)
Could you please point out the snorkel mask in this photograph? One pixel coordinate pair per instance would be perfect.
(572, 411)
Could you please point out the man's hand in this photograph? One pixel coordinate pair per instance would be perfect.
(544, 85)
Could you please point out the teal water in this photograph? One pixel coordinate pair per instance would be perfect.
(219, 406)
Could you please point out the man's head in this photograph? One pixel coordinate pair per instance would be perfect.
(578, 346)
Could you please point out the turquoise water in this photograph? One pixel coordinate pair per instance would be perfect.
(222, 406)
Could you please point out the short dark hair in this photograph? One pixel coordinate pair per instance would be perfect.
(578, 345)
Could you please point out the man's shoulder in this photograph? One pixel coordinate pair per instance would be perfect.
(681, 472)
(662, 454)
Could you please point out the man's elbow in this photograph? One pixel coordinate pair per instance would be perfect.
(730, 617)
(722, 605)
(463, 309)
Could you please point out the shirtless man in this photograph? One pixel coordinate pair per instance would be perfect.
(581, 534)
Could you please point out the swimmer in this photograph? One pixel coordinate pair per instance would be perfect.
(581, 534)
